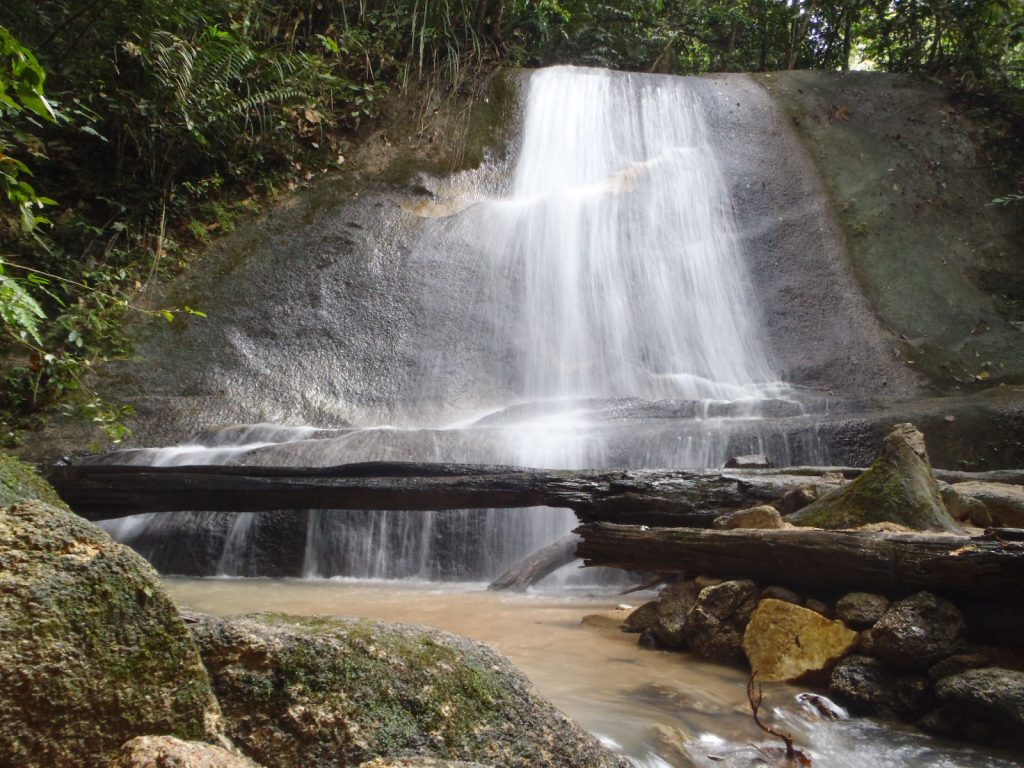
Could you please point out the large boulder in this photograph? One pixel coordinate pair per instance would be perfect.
(898, 488)
(92, 649)
(170, 752)
(985, 705)
(785, 643)
(918, 631)
(1003, 502)
(336, 692)
(867, 687)
(715, 624)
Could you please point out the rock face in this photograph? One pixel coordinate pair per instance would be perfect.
(764, 516)
(1004, 503)
(786, 643)
(898, 488)
(985, 705)
(917, 632)
(339, 692)
(169, 752)
(714, 626)
(92, 649)
(861, 610)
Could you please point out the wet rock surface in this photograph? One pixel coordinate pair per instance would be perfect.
(339, 692)
(170, 752)
(715, 625)
(985, 705)
(918, 631)
(867, 687)
(92, 649)
(670, 614)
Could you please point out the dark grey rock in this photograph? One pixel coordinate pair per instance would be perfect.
(716, 622)
(818, 606)
(860, 610)
(664, 618)
(783, 594)
(672, 609)
(958, 663)
(648, 640)
(918, 631)
(983, 705)
(867, 687)
(642, 618)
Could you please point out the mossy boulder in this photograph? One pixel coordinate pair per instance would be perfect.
(92, 649)
(335, 692)
(21, 482)
(898, 488)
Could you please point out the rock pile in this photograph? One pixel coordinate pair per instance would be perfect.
(906, 660)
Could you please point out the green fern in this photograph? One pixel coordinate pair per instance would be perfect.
(20, 312)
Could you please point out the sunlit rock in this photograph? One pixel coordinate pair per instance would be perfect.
(92, 649)
(170, 752)
(304, 691)
(784, 642)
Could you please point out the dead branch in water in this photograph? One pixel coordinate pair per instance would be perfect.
(756, 699)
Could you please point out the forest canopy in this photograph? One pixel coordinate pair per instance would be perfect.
(131, 132)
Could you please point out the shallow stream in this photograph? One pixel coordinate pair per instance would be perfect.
(659, 708)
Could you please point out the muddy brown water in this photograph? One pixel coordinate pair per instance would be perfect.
(659, 708)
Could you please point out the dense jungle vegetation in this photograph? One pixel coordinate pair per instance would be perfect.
(133, 132)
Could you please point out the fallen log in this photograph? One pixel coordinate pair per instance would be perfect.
(808, 558)
(541, 563)
(643, 497)
(653, 497)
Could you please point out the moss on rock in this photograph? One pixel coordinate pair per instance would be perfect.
(21, 482)
(337, 692)
(92, 649)
(898, 488)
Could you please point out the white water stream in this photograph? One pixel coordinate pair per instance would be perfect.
(600, 315)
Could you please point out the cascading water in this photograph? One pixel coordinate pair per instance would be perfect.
(604, 318)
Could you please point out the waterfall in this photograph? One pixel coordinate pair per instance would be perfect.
(599, 315)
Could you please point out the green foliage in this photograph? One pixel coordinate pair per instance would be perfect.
(163, 121)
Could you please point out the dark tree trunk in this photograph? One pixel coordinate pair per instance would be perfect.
(541, 563)
(809, 558)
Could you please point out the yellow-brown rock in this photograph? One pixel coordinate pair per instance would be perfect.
(785, 642)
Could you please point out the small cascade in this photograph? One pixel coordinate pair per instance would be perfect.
(601, 315)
